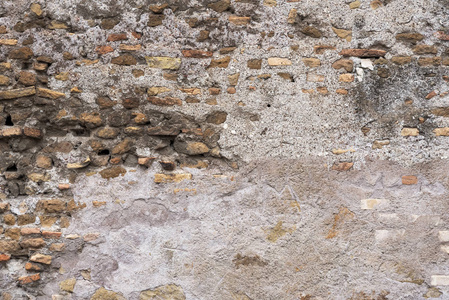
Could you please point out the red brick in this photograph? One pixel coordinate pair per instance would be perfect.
(104, 49)
(4, 257)
(29, 279)
(196, 53)
(117, 37)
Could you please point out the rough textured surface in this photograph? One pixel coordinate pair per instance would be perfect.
(232, 149)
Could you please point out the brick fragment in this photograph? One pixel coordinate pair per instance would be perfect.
(407, 131)
(114, 37)
(21, 53)
(104, 49)
(239, 21)
(17, 93)
(220, 63)
(29, 279)
(409, 179)
(196, 53)
(32, 243)
(365, 53)
(167, 101)
(4, 257)
(279, 61)
(51, 234)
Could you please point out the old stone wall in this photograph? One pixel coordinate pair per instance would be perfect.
(232, 149)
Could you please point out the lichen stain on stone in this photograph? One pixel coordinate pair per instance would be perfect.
(278, 231)
(248, 260)
(165, 292)
(342, 216)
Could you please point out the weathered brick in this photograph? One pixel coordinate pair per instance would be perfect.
(220, 63)
(239, 21)
(104, 49)
(125, 48)
(17, 93)
(4, 257)
(57, 247)
(91, 120)
(8, 246)
(52, 205)
(291, 19)
(114, 37)
(21, 53)
(32, 243)
(217, 117)
(363, 53)
(444, 131)
(311, 77)
(429, 61)
(164, 63)
(4, 80)
(46, 93)
(122, 147)
(407, 131)
(311, 31)
(29, 231)
(425, 49)
(41, 258)
(13, 233)
(343, 33)
(254, 64)
(51, 234)
(348, 77)
(29, 279)
(409, 37)
(401, 60)
(220, 6)
(124, 60)
(278, 61)
(26, 219)
(112, 172)
(155, 20)
(311, 62)
(108, 133)
(8, 42)
(9, 219)
(32, 132)
(32, 267)
(196, 53)
(4, 206)
(167, 101)
(191, 91)
(68, 285)
(146, 161)
(227, 50)
(409, 179)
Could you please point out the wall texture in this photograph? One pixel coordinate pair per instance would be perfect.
(238, 149)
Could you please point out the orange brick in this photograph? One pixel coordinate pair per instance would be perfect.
(29, 279)
(4, 257)
(409, 179)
